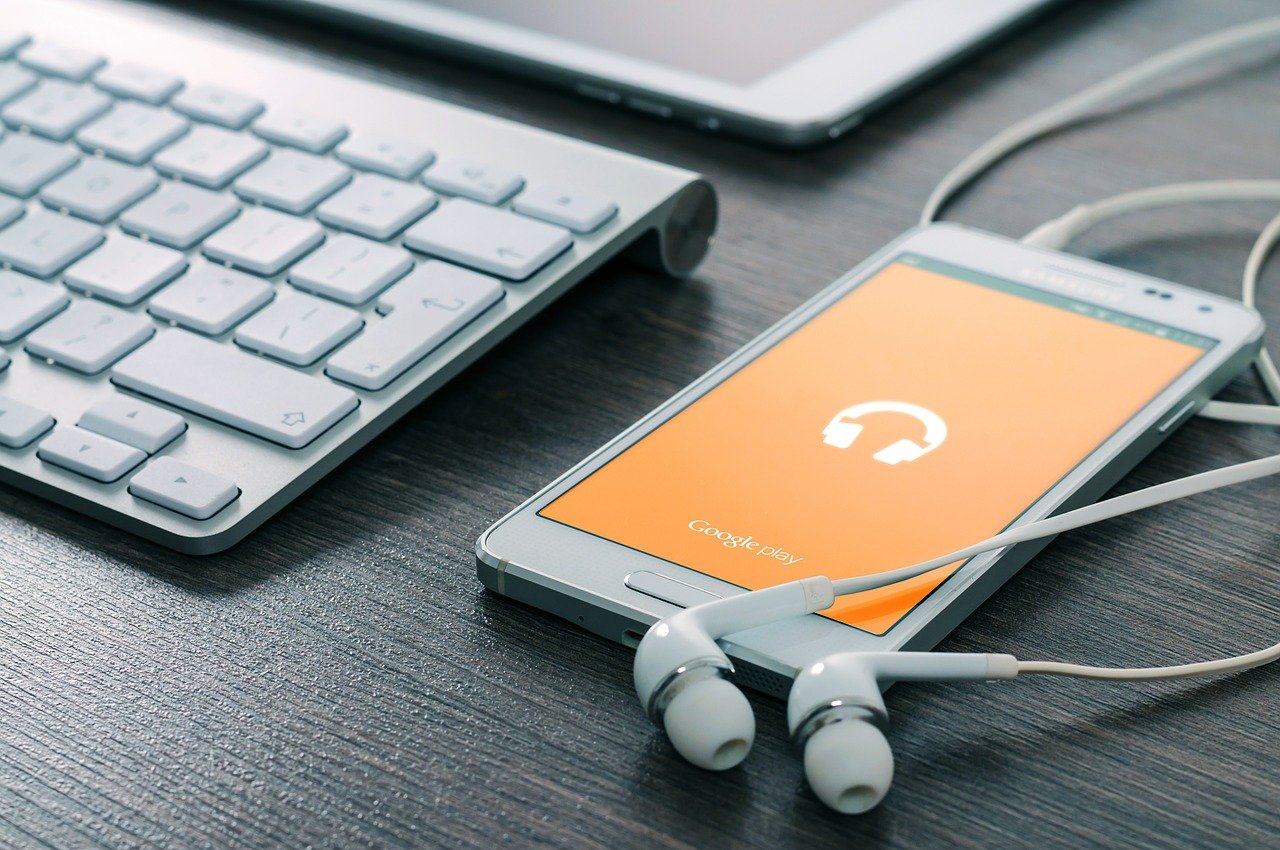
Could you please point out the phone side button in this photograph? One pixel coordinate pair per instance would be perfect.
(1177, 417)
(668, 589)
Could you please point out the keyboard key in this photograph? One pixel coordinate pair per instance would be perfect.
(20, 423)
(56, 109)
(137, 82)
(579, 212)
(211, 299)
(134, 423)
(426, 308)
(98, 190)
(210, 156)
(264, 241)
(217, 105)
(25, 303)
(44, 243)
(350, 269)
(132, 132)
(10, 210)
(293, 181)
(377, 206)
(472, 180)
(235, 388)
(57, 61)
(400, 158)
(179, 216)
(299, 329)
(11, 41)
(26, 164)
(184, 488)
(300, 130)
(125, 270)
(88, 337)
(15, 80)
(89, 454)
(488, 239)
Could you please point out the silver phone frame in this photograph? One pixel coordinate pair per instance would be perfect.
(793, 105)
(581, 577)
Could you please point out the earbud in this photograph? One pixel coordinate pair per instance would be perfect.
(837, 716)
(710, 723)
(682, 674)
(849, 766)
(835, 711)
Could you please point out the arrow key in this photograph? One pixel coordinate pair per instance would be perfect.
(88, 454)
(21, 423)
(135, 423)
(184, 488)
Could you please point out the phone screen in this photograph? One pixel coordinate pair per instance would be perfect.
(921, 412)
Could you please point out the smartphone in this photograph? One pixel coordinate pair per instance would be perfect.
(953, 385)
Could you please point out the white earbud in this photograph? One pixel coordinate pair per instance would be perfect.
(682, 674)
(837, 716)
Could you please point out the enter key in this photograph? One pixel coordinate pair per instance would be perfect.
(421, 312)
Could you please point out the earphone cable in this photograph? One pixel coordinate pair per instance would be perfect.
(1147, 497)
(1226, 42)
(1057, 233)
(1149, 674)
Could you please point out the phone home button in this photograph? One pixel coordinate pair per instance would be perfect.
(668, 589)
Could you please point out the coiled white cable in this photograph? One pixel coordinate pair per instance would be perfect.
(1128, 503)
(1262, 249)
(1056, 234)
(1147, 497)
(1227, 42)
(1059, 232)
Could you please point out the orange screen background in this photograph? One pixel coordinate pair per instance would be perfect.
(1027, 390)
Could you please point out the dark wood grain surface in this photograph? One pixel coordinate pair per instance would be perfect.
(342, 680)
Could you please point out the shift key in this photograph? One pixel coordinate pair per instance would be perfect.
(234, 388)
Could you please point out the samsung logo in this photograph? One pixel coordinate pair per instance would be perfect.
(1091, 290)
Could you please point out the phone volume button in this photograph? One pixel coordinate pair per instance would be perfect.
(1177, 417)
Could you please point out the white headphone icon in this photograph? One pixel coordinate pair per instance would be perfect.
(842, 430)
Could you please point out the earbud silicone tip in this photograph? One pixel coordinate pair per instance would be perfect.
(849, 766)
(710, 723)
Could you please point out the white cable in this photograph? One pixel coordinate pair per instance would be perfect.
(1262, 249)
(1059, 232)
(1138, 674)
(1228, 41)
(1247, 414)
(1147, 497)
(1056, 234)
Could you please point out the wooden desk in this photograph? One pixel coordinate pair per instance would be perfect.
(342, 680)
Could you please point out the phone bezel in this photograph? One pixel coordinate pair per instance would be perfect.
(577, 565)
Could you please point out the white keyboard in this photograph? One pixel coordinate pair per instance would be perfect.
(222, 272)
